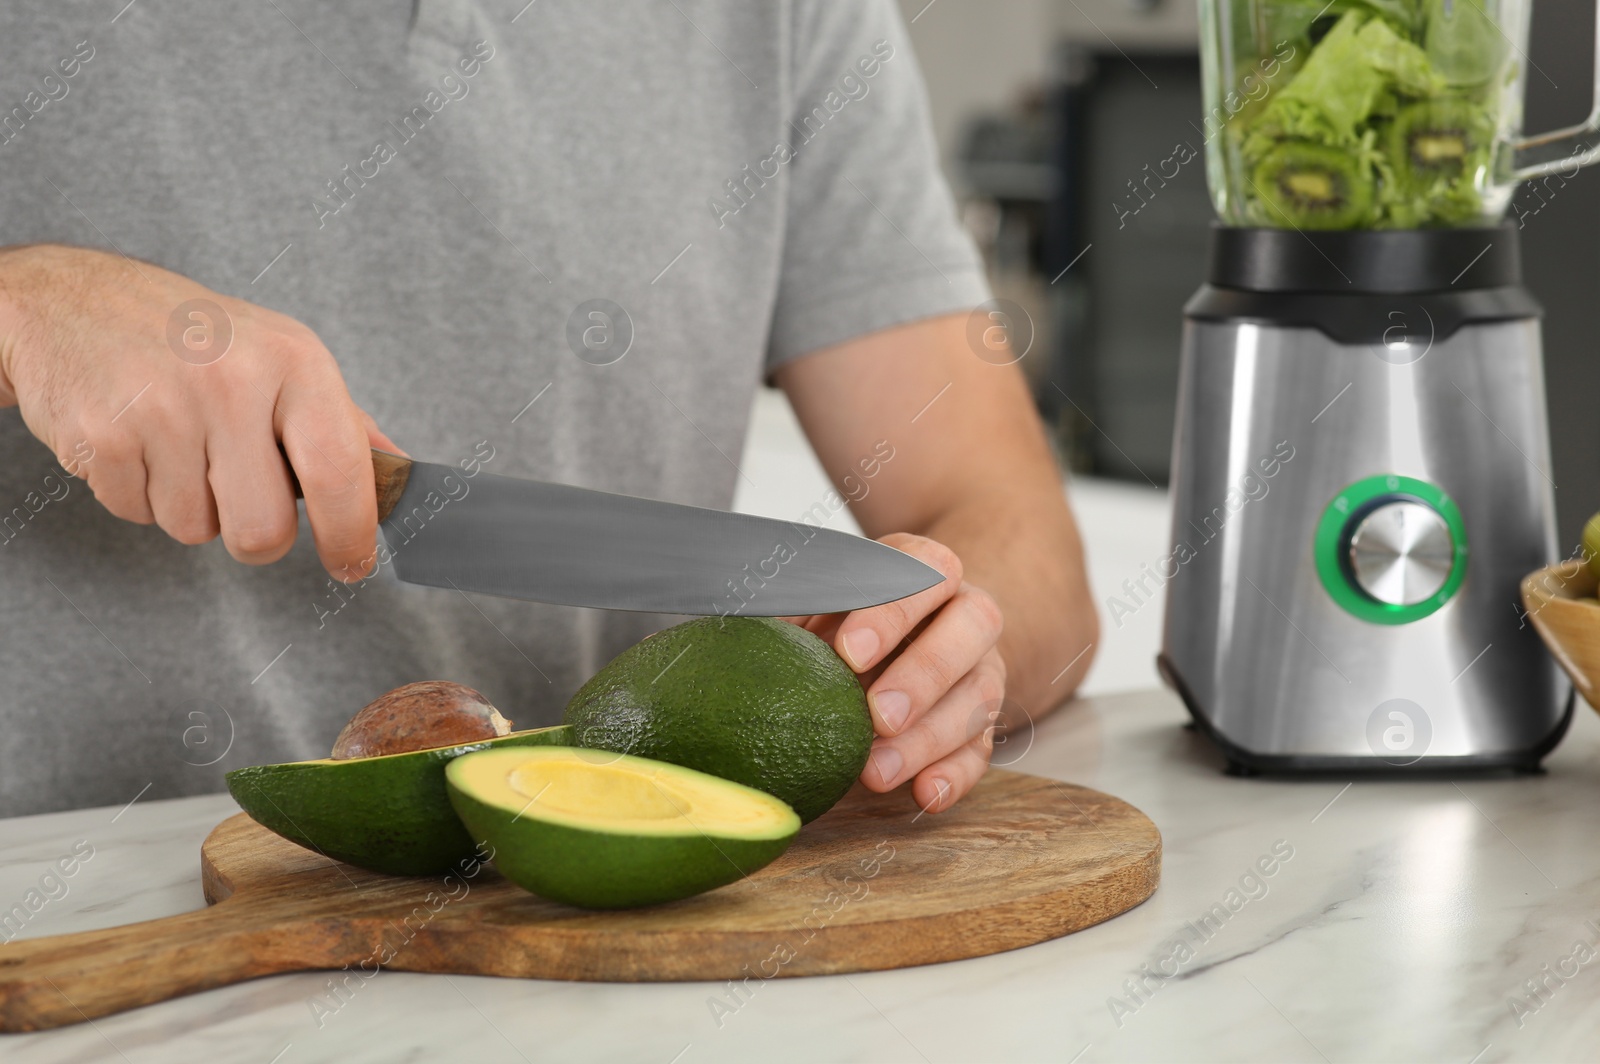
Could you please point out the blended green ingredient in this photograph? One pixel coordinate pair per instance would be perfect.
(1387, 119)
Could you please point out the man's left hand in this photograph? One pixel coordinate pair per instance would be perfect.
(934, 677)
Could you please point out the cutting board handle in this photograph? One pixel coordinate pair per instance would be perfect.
(63, 979)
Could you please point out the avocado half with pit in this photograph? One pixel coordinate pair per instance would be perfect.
(608, 831)
(386, 814)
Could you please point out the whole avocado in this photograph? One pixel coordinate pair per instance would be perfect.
(751, 699)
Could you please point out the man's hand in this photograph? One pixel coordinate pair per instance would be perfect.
(934, 678)
(185, 432)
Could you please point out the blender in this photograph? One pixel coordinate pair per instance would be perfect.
(1361, 463)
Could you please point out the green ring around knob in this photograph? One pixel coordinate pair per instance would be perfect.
(1330, 539)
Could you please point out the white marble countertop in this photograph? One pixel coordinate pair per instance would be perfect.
(1406, 924)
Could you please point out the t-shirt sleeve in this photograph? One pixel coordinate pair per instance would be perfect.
(871, 237)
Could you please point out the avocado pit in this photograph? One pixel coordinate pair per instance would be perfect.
(419, 716)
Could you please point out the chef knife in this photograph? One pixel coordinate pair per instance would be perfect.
(576, 547)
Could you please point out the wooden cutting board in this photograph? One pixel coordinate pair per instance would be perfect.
(873, 884)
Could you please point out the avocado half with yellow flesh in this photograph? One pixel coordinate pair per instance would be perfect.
(603, 830)
(386, 814)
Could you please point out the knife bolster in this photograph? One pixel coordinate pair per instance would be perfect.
(390, 473)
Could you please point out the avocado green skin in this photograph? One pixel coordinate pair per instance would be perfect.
(602, 870)
(385, 814)
(751, 699)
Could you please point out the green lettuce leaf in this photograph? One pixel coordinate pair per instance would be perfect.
(1349, 77)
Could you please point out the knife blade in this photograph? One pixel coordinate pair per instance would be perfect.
(571, 546)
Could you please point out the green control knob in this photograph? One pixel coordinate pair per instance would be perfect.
(1391, 549)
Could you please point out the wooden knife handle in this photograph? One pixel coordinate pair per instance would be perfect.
(389, 473)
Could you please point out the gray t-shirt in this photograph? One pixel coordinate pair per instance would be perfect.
(440, 188)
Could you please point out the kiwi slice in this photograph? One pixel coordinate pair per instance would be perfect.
(1435, 150)
(1310, 186)
(1437, 140)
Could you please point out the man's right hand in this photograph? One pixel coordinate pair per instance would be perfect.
(181, 437)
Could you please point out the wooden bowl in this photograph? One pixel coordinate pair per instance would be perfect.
(1561, 603)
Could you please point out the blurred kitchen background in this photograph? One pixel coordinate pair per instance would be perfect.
(1047, 112)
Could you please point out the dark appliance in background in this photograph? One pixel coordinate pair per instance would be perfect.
(1096, 190)
(1128, 227)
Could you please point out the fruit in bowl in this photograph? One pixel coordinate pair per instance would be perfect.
(1562, 605)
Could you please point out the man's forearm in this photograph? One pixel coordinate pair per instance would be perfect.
(1023, 548)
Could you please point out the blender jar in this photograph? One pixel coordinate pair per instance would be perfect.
(1372, 114)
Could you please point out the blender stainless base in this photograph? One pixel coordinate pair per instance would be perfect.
(1352, 521)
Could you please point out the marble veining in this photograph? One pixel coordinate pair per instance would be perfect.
(1428, 920)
